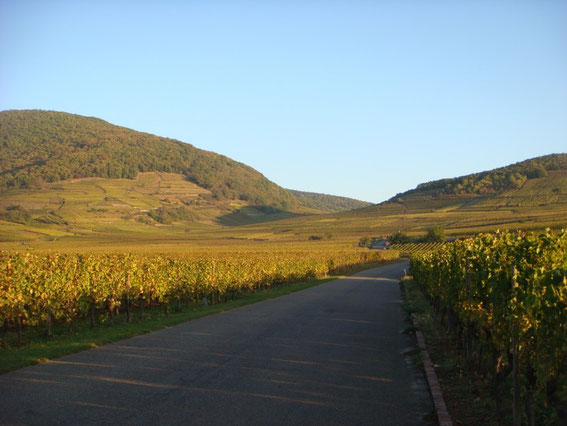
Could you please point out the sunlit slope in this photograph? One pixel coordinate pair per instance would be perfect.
(39, 147)
(66, 179)
(82, 214)
(538, 203)
(150, 203)
(531, 183)
(68, 175)
(64, 176)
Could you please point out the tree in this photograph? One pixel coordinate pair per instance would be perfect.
(435, 235)
(536, 171)
(364, 242)
(400, 238)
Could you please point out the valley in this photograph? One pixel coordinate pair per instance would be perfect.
(78, 183)
(98, 221)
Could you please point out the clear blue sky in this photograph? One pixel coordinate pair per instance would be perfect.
(356, 98)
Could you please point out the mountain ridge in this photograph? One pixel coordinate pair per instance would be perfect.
(328, 203)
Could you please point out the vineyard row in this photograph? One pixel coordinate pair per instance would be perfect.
(506, 295)
(407, 249)
(39, 289)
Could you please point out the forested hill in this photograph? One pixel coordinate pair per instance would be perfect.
(492, 181)
(328, 203)
(46, 146)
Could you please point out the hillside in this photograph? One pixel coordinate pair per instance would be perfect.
(491, 182)
(328, 203)
(39, 147)
(66, 178)
(538, 203)
(531, 194)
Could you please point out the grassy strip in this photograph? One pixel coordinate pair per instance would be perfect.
(467, 395)
(39, 349)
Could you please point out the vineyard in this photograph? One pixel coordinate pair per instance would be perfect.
(407, 249)
(506, 295)
(38, 290)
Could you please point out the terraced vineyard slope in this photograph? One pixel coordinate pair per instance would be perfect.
(69, 176)
(40, 147)
(531, 195)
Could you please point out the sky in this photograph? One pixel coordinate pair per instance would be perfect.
(363, 99)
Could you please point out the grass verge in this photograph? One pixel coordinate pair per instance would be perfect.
(466, 394)
(37, 348)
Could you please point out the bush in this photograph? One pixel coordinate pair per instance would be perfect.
(17, 214)
(168, 215)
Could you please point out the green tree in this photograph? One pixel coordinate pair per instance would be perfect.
(536, 171)
(400, 238)
(435, 235)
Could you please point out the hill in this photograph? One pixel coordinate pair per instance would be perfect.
(538, 203)
(73, 181)
(531, 194)
(69, 176)
(328, 203)
(491, 182)
(39, 147)
(537, 182)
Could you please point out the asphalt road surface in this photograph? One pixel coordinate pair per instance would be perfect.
(334, 354)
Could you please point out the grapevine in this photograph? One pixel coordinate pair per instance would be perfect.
(507, 292)
(37, 289)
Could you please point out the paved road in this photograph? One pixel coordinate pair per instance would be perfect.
(329, 355)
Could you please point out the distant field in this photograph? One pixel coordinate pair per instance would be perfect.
(165, 212)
